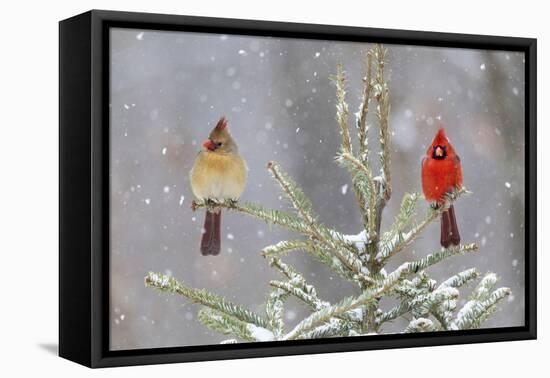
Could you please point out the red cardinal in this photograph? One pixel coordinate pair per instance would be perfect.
(441, 173)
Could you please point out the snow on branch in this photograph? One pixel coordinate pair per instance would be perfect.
(293, 193)
(361, 115)
(382, 96)
(274, 309)
(227, 325)
(342, 108)
(169, 284)
(420, 325)
(347, 304)
(481, 305)
(390, 247)
(461, 278)
(365, 189)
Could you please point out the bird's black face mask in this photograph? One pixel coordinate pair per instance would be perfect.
(439, 152)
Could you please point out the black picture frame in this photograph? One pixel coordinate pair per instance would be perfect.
(84, 188)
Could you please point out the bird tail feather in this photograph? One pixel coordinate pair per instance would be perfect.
(449, 228)
(211, 238)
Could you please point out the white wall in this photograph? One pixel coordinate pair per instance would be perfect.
(28, 194)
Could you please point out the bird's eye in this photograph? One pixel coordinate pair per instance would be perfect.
(218, 144)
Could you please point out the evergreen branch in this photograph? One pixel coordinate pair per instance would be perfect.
(270, 216)
(325, 257)
(309, 297)
(346, 305)
(394, 313)
(169, 284)
(293, 193)
(224, 324)
(421, 297)
(333, 328)
(324, 315)
(381, 93)
(275, 310)
(483, 289)
(321, 233)
(423, 282)
(342, 110)
(461, 278)
(428, 303)
(318, 252)
(420, 325)
(284, 247)
(310, 300)
(365, 187)
(298, 287)
(292, 275)
(401, 240)
(402, 220)
(296, 280)
(432, 259)
(445, 311)
(361, 116)
(475, 312)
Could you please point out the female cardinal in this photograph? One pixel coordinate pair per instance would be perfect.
(219, 173)
(441, 173)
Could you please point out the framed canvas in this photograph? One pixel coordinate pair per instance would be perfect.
(377, 187)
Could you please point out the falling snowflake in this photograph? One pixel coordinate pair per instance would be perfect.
(290, 315)
(344, 189)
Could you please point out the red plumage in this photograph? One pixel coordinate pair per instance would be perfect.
(441, 173)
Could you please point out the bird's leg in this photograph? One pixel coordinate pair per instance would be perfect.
(195, 205)
(211, 204)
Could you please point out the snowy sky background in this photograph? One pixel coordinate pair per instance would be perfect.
(169, 88)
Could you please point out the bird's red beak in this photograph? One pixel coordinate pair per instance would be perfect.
(209, 145)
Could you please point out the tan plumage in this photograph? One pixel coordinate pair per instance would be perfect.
(219, 173)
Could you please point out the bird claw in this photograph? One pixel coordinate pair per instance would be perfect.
(232, 202)
(213, 204)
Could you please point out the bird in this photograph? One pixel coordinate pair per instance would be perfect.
(218, 173)
(441, 174)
